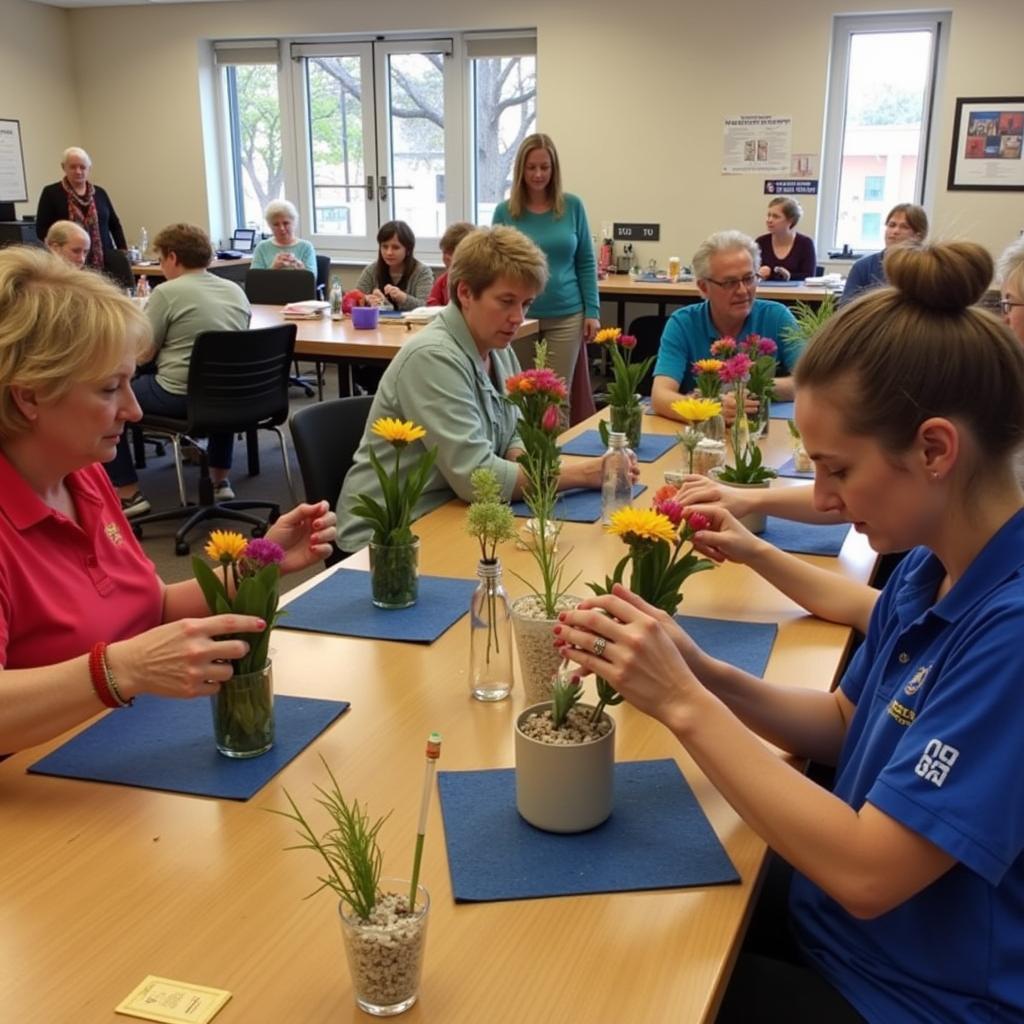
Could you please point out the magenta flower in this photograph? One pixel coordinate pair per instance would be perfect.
(766, 347)
(262, 552)
(549, 421)
(736, 368)
(672, 510)
(697, 521)
(723, 348)
(627, 341)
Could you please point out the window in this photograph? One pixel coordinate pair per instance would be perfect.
(878, 121)
(871, 228)
(358, 132)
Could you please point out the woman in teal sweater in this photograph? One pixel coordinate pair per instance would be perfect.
(568, 309)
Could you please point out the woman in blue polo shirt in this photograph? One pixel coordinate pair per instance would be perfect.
(907, 898)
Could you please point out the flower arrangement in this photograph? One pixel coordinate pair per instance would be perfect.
(736, 370)
(762, 354)
(709, 383)
(539, 394)
(661, 558)
(353, 298)
(623, 401)
(252, 570)
(391, 520)
(695, 411)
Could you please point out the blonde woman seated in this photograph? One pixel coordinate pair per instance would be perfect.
(72, 575)
(285, 250)
(69, 241)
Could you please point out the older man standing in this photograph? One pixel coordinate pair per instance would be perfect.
(191, 301)
(725, 266)
(69, 241)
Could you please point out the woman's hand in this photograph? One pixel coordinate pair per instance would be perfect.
(395, 294)
(589, 473)
(781, 273)
(306, 534)
(637, 656)
(701, 490)
(181, 659)
(591, 326)
(286, 261)
(726, 539)
(376, 298)
(728, 401)
(764, 273)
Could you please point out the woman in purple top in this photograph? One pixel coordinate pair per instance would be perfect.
(786, 255)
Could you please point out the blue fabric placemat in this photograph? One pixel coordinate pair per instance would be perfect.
(805, 538)
(782, 410)
(168, 744)
(747, 645)
(652, 446)
(788, 468)
(576, 506)
(342, 605)
(656, 838)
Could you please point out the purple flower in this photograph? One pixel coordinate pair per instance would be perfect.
(767, 347)
(262, 552)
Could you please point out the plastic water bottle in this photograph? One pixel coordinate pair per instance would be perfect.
(335, 298)
(616, 480)
(143, 243)
(142, 288)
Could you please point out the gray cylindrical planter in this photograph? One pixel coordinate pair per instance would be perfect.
(564, 788)
(755, 522)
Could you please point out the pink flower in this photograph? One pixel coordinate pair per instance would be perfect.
(263, 552)
(697, 521)
(736, 368)
(549, 421)
(627, 341)
(723, 348)
(672, 510)
(766, 347)
(537, 382)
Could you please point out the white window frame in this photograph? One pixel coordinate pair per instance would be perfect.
(844, 27)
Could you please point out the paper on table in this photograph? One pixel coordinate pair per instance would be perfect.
(173, 1002)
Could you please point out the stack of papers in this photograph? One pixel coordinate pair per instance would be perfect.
(421, 314)
(310, 309)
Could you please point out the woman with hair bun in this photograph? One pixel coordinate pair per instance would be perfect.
(906, 900)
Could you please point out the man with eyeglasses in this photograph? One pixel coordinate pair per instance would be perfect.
(1010, 272)
(725, 266)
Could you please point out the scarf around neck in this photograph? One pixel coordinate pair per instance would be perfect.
(82, 210)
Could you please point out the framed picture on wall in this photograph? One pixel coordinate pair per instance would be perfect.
(987, 136)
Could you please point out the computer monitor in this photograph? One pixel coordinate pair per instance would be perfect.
(244, 240)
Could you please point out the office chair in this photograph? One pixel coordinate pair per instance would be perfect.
(276, 288)
(237, 381)
(647, 330)
(323, 276)
(326, 438)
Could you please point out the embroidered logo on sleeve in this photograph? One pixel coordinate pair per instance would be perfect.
(936, 761)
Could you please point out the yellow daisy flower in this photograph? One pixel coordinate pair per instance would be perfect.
(696, 410)
(633, 524)
(708, 365)
(398, 432)
(225, 546)
(607, 334)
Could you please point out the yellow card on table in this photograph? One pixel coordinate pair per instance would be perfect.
(173, 1002)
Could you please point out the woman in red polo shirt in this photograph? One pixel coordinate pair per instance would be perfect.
(71, 571)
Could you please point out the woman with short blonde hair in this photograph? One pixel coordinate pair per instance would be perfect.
(69, 241)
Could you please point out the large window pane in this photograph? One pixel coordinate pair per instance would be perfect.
(337, 161)
(255, 115)
(889, 76)
(417, 153)
(504, 113)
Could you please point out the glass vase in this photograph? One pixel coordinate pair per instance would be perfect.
(394, 574)
(628, 420)
(490, 636)
(760, 421)
(243, 714)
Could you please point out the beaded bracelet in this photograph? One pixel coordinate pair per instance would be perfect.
(103, 681)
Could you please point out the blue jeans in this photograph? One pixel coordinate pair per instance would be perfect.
(154, 399)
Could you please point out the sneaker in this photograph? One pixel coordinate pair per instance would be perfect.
(136, 505)
(222, 491)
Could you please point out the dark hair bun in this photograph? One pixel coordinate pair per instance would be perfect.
(947, 276)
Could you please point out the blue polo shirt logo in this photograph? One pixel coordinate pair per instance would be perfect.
(916, 680)
(936, 761)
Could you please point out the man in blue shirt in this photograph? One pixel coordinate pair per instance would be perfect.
(725, 267)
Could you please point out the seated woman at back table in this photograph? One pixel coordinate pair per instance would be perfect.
(72, 575)
(449, 241)
(285, 251)
(450, 380)
(911, 405)
(69, 241)
(786, 255)
(397, 278)
(905, 222)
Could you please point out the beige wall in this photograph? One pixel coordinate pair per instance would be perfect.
(635, 97)
(37, 87)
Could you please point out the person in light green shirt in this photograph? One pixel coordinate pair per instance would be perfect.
(284, 251)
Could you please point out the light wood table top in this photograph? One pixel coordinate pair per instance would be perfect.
(105, 884)
(622, 286)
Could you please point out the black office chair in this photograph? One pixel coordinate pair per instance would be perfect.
(237, 381)
(647, 330)
(326, 438)
(277, 287)
(323, 276)
(118, 269)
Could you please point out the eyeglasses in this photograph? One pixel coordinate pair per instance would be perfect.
(732, 283)
(1005, 305)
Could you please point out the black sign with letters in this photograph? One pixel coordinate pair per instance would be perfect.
(637, 232)
(791, 187)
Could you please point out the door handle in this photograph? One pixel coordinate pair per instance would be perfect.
(369, 186)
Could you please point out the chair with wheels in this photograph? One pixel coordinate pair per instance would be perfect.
(326, 438)
(276, 288)
(237, 382)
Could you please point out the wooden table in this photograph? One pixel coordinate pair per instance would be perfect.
(337, 341)
(104, 884)
(621, 288)
(232, 270)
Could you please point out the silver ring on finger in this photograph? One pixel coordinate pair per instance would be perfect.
(599, 645)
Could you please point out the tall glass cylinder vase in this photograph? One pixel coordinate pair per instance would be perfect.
(243, 714)
(628, 420)
(394, 574)
(490, 637)
(759, 425)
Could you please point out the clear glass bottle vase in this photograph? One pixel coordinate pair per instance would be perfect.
(490, 641)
